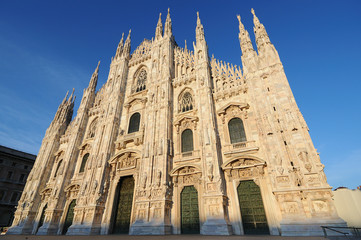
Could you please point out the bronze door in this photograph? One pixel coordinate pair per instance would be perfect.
(189, 211)
(69, 217)
(124, 205)
(253, 214)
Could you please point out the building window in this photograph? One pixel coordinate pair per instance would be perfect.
(14, 197)
(187, 140)
(92, 129)
(83, 162)
(186, 102)
(22, 177)
(10, 174)
(57, 168)
(134, 123)
(236, 130)
(141, 81)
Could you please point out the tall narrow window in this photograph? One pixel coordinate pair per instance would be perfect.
(187, 140)
(141, 81)
(186, 102)
(83, 162)
(57, 168)
(134, 123)
(236, 130)
(92, 129)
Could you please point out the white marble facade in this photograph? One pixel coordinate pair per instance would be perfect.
(173, 118)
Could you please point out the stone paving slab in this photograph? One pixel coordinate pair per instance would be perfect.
(168, 237)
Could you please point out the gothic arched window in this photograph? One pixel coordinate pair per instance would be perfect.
(134, 123)
(236, 130)
(186, 102)
(141, 81)
(187, 140)
(58, 167)
(92, 129)
(83, 162)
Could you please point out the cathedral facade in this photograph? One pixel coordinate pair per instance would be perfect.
(180, 142)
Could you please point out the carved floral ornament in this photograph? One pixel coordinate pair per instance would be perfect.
(186, 175)
(244, 167)
(124, 160)
(45, 193)
(72, 191)
(232, 110)
(85, 148)
(135, 101)
(185, 122)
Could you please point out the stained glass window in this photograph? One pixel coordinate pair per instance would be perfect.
(236, 130)
(187, 140)
(134, 123)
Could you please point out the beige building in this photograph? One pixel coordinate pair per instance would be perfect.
(177, 142)
(348, 205)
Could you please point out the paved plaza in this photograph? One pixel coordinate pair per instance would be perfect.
(168, 237)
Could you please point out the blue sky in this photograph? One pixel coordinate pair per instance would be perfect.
(49, 47)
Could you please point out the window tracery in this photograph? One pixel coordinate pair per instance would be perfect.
(92, 129)
(141, 81)
(186, 102)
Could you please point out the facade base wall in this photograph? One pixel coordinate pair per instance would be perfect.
(83, 230)
(141, 228)
(311, 228)
(216, 227)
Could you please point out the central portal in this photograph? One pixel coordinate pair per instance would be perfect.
(124, 202)
(253, 215)
(189, 211)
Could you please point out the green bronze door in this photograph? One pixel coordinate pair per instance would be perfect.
(253, 215)
(124, 205)
(41, 222)
(69, 217)
(189, 211)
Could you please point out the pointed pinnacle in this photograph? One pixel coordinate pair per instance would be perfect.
(160, 18)
(185, 44)
(198, 19)
(97, 69)
(71, 96)
(66, 96)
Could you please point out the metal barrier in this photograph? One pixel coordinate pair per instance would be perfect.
(355, 231)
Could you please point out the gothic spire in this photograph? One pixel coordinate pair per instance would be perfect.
(260, 32)
(159, 29)
(126, 49)
(199, 29)
(168, 25)
(94, 79)
(244, 39)
(120, 47)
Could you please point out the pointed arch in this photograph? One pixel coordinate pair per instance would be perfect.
(186, 100)
(140, 79)
(92, 128)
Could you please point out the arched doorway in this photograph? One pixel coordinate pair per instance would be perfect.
(69, 217)
(252, 210)
(42, 217)
(123, 202)
(189, 211)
